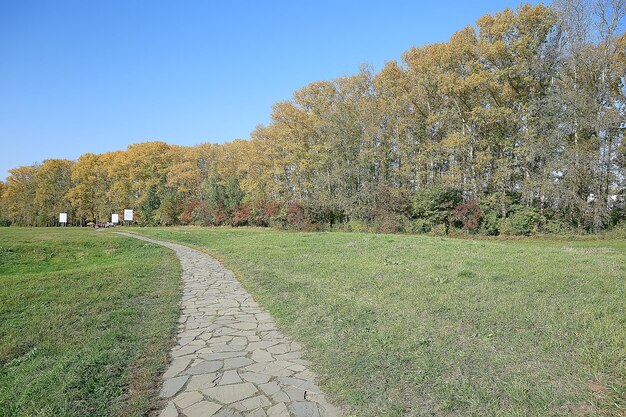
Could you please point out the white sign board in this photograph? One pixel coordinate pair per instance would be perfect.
(128, 215)
(115, 218)
(62, 217)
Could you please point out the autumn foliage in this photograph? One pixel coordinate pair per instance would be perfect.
(468, 215)
(520, 117)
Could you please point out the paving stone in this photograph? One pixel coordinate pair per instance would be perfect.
(261, 356)
(285, 364)
(252, 403)
(236, 363)
(228, 394)
(202, 409)
(176, 367)
(222, 355)
(304, 409)
(198, 382)
(204, 367)
(220, 339)
(306, 375)
(262, 344)
(243, 326)
(173, 385)
(290, 356)
(279, 410)
(230, 377)
(223, 347)
(279, 349)
(281, 396)
(185, 350)
(269, 368)
(255, 378)
(317, 397)
(295, 394)
(169, 411)
(299, 383)
(239, 340)
(270, 388)
(228, 413)
(186, 399)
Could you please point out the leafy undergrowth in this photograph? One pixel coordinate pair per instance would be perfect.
(86, 322)
(413, 325)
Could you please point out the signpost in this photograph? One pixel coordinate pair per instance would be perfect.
(128, 216)
(63, 219)
(115, 218)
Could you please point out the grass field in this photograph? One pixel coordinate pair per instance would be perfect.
(86, 322)
(409, 325)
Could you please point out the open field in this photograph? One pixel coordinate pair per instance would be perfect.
(86, 322)
(411, 325)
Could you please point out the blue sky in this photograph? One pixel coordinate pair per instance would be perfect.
(91, 76)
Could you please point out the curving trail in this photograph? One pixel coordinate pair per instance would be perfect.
(230, 360)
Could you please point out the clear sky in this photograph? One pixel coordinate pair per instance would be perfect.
(95, 76)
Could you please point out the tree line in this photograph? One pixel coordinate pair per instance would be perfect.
(515, 125)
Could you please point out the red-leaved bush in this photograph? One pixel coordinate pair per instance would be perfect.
(468, 214)
(187, 215)
(296, 215)
(271, 209)
(241, 216)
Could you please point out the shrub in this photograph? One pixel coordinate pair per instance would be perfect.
(276, 214)
(324, 214)
(555, 226)
(617, 214)
(257, 215)
(501, 204)
(168, 213)
(524, 221)
(618, 232)
(314, 227)
(187, 216)
(147, 213)
(504, 226)
(201, 213)
(392, 210)
(468, 215)
(218, 217)
(390, 223)
(241, 216)
(271, 209)
(439, 230)
(356, 225)
(296, 215)
(393, 200)
(421, 226)
(223, 197)
(490, 224)
(435, 203)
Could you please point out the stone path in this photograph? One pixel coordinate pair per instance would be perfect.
(230, 360)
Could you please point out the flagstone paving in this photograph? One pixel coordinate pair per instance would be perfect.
(230, 360)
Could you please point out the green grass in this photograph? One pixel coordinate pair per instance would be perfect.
(86, 322)
(411, 325)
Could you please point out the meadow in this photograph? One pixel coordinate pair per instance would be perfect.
(400, 325)
(86, 322)
(394, 325)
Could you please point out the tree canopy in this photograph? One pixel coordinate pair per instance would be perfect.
(520, 118)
